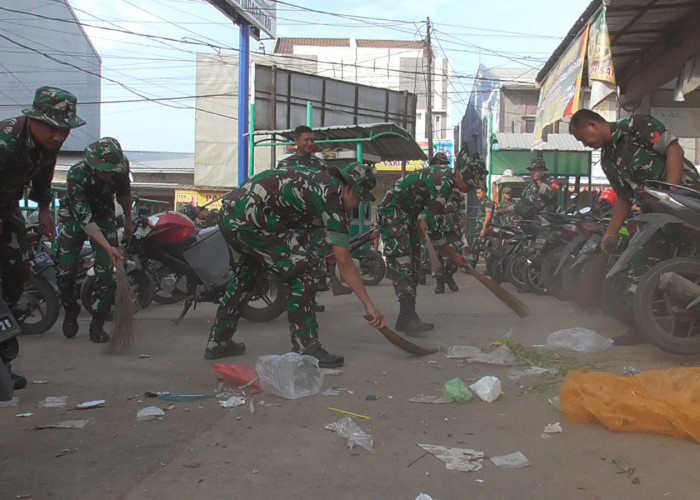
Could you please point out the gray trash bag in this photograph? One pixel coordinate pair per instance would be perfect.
(577, 339)
(290, 376)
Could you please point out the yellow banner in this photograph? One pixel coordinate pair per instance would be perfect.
(600, 63)
(197, 198)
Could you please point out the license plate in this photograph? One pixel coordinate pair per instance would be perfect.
(8, 328)
(41, 261)
(540, 241)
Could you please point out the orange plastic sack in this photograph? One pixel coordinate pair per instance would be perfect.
(657, 401)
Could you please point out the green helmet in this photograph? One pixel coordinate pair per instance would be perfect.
(56, 107)
(106, 155)
(360, 177)
(472, 168)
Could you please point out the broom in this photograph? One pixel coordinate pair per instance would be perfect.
(501, 293)
(587, 297)
(402, 343)
(124, 309)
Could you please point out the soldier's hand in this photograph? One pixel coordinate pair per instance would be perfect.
(459, 260)
(482, 233)
(46, 224)
(609, 242)
(114, 254)
(377, 320)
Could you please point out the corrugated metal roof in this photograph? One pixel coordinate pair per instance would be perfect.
(142, 161)
(385, 140)
(524, 142)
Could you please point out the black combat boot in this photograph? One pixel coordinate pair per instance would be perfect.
(97, 332)
(325, 359)
(70, 319)
(408, 321)
(440, 288)
(449, 279)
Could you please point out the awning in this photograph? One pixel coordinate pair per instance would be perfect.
(387, 141)
(562, 153)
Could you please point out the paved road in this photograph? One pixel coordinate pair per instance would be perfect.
(199, 450)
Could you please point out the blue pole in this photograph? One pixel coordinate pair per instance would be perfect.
(243, 90)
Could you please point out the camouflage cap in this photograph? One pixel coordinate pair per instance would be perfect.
(106, 155)
(439, 159)
(472, 169)
(360, 177)
(506, 190)
(56, 107)
(537, 163)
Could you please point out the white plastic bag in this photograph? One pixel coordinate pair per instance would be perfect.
(487, 388)
(290, 375)
(347, 428)
(577, 339)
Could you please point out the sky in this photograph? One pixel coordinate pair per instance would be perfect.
(149, 47)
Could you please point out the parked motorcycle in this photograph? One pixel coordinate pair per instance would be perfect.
(660, 268)
(9, 349)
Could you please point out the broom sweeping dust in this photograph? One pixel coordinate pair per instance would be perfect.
(124, 310)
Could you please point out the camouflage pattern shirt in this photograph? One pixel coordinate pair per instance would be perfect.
(505, 212)
(297, 199)
(485, 207)
(544, 197)
(23, 161)
(89, 199)
(428, 192)
(311, 161)
(638, 154)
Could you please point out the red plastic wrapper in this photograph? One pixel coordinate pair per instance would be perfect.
(240, 375)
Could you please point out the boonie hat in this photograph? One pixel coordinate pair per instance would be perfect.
(440, 159)
(360, 177)
(472, 168)
(506, 190)
(537, 163)
(56, 107)
(106, 155)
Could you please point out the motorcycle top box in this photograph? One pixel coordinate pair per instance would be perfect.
(171, 227)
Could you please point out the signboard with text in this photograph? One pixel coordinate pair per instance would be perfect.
(261, 14)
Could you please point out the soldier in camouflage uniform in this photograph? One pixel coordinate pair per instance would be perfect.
(306, 147)
(634, 150)
(543, 190)
(430, 190)
(264, 220)
(29, 145)
(483, 220)
(87, 212)
(450, 225)
(505, 209)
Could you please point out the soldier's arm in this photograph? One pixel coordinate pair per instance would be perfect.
(40, 191)
(79, 207)
(674, 163)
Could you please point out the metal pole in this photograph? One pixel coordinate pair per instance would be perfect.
(309, 114)
(251, 142)
(429, 96)
(243, 91)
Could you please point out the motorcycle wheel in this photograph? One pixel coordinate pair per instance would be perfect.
(662, 320)
(532, 274)
(268, 301)
(40, 306)
(515, 267)
(372, 266)
(494, 269)
(141, 287)
(553, 282)
(572, 277)
(6, 384)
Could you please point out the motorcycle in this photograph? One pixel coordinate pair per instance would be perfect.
(37, 309)
(660, 268)
(194, 265)
(9, 349)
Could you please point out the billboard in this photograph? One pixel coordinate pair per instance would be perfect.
(260, 14)
(281, 98)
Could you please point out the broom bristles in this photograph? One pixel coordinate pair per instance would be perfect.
(124, 309)
(588, 294)
(501, 293)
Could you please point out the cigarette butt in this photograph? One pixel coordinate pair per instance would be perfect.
(365, 417)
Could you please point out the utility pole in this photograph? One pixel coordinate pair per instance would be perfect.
(429, 97)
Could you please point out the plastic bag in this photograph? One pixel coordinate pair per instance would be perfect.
(456, 390)
(577, 339)
(347, 428)
(487, 388)
(240, 375)
(656, 401)
(149, 413)
(290, 375)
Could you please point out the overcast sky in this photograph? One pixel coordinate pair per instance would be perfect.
(156, 55)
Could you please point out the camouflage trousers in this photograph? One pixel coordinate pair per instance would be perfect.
(14, 256)
(70, 243)
(402, 249)
(285, 256)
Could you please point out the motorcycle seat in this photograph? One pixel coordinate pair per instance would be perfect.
(205, 233)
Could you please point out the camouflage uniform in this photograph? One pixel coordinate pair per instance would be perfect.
(86, 208)
(428, 190)
(311, 161)
(265, 220)
(544, 197)
(24, 161)
(637, 154)
(504, 212)
(479, 243)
